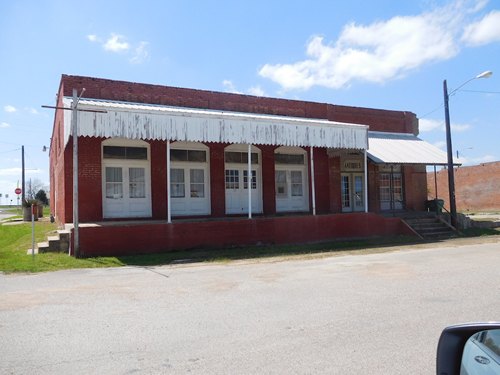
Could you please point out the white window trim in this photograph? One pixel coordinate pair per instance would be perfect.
(243, 148)
(304, 168)
(126, 163)
(186, 166)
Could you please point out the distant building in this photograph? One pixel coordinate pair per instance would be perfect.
(176, 168)
(477, 188)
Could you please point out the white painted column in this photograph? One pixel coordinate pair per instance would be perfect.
(169, 210)
(74, 130)
(249, 181)
(313, 185)
(366, 181)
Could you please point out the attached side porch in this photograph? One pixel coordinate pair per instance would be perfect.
(146, 237)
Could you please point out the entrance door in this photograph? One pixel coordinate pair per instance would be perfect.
(126, 193)
(126, 179)
(353, 192)
(237, 191)
(290, 190)
(391, 191)
(237, 181)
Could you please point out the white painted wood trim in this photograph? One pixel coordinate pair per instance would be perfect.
(142, 121)
(169, 201)
(249, 180)
(313, 189)
(366, 179)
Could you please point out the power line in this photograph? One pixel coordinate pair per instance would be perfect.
(6, 152)
(453, 94)
(434, 110)
(482, 92)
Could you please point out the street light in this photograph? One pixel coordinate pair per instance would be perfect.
(449, 150)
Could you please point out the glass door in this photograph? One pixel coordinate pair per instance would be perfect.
(391, 191)
(237, 191)
(353, 192)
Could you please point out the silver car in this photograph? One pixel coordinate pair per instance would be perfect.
(481, 354)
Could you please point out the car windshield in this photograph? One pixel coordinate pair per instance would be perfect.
(491, 339)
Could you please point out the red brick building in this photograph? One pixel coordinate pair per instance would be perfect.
(476, 187)
(174, 168)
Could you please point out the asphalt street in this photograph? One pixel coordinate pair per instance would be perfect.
(349, 314)
(5, 215)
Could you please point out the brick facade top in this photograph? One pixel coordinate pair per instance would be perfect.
(376, 119)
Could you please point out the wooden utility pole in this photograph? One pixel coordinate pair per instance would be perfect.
(74, 133)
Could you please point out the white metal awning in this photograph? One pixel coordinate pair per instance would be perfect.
(144, 121)
(401, 148)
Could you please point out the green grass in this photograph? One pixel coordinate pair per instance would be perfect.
(479, 232)
(15, 240)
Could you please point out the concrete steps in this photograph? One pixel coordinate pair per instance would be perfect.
(58, 243)
(431, 227)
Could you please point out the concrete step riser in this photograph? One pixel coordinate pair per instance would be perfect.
(59, 243)
(423, 222)
(430, 227)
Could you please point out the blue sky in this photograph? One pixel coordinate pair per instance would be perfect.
(388, 54)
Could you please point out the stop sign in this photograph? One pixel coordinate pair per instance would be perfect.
(18, 191)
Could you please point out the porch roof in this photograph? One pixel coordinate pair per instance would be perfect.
(402, 148)
(148, 121)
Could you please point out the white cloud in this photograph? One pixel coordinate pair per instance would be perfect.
(137, 53)
(9, 108)
(377, 52)
(230, 87)
(4, 125)
(256, 90)
(440, 144)
(141, 53)
(477, 160)
(479, 5)
(485, 31)
(458, 128)
(484, 159)
(31, 110)
(427, 125)
(10, 172)
(116, 43)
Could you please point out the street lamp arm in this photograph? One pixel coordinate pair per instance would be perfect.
(485, 74)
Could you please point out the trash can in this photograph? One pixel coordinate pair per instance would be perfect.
(434, 205)
(439, 205)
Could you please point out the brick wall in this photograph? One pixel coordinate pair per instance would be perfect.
(160, 237)
(268, 185)
(217, 179)
(321, 181)
(334, 183)
(477, 188)
(373, 188)
(158, 179)
(377, 119)
(58, 165)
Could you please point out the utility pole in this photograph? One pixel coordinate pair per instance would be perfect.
(74, 119)
(449, 151)
(23, 196)
(74, 133)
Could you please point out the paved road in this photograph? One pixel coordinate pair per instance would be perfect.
(5, 215)
(352, 314)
